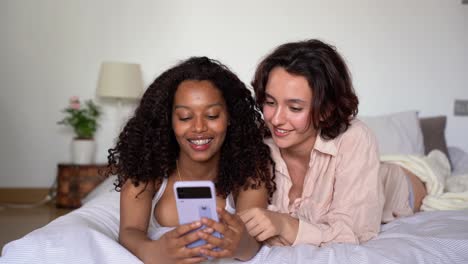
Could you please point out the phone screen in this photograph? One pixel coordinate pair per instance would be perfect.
(194, 192)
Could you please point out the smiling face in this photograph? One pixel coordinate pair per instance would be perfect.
(199, 120)
(287, 110)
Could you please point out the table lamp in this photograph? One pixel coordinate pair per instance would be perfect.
(120, 81)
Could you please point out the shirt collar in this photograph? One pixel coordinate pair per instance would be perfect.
(328, 147)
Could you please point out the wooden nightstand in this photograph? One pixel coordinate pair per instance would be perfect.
(75, 181)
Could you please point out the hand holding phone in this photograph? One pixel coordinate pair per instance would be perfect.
(194, 200)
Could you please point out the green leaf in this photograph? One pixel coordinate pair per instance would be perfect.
(83, 120)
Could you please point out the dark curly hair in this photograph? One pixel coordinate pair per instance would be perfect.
(334, 102)
(147, 150)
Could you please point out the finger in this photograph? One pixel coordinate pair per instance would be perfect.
(233, 221)
(216, 253)
(192, 260)
(248, 214)
(183, 229)
(208, 230)
(251, 225)
(230, 219)
(216, 226)
(255, 231)
(264, 235)
(187, 239)
(208, 246)
(213, 240)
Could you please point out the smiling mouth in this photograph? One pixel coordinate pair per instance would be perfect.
(280, 132)
(200, 142)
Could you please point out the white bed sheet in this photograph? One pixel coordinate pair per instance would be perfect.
(89, 235)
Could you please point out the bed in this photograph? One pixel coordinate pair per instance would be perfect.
(89, 234)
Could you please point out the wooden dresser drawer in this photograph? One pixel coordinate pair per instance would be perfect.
(75, 181)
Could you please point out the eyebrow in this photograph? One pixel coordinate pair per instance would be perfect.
(209, 106)
(297, 101)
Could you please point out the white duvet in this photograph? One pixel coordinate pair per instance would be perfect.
(89, 235)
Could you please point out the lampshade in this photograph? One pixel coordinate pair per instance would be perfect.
(120, 80)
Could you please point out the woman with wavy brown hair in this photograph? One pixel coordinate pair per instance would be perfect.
(328, 174)
(196, 121)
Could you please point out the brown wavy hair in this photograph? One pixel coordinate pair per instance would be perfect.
(334, 102)
(147, 150)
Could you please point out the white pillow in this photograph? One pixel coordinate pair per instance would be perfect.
(107, 186)
(397, 133)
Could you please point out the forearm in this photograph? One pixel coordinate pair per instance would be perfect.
(290, 227)
(137, 242)
(247, 248)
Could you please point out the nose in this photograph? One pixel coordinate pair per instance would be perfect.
(279, 117)
(199, 125)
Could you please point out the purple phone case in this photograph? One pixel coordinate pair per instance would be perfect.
(193, 209)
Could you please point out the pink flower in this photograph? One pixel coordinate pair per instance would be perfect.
(75, 105)
(75, 102)
(74, 99)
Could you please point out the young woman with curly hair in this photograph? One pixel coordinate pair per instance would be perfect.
(328, 174)
(196, 121)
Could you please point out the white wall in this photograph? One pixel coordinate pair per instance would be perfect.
(404, 54)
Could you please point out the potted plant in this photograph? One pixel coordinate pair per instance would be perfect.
(83, 119)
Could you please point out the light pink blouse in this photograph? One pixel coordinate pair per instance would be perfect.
(342, 197)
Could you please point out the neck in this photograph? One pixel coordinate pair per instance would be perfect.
(301, 151)
(191, 170)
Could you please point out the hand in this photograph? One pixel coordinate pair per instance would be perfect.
(262, 223)
(172, 245)
(234, 234)
(277, 241)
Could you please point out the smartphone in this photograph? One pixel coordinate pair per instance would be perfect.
(194, 200)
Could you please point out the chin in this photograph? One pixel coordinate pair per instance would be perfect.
(201, 157)
(281, 143)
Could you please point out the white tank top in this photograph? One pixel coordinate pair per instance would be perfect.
(155, 230)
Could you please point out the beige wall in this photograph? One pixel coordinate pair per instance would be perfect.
(404, 54)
